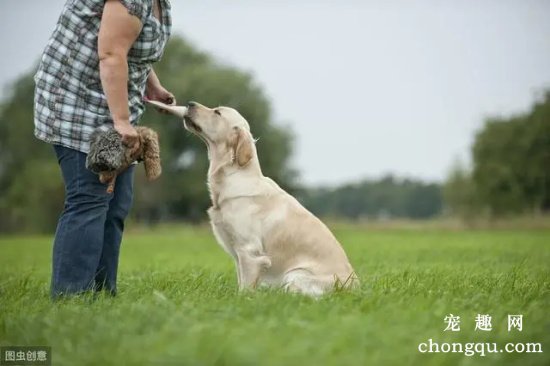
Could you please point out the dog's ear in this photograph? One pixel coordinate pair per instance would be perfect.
(150, 152)
(243, 147)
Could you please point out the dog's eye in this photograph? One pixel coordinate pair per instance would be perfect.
(217, 112)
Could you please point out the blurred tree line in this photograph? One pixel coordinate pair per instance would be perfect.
(30, 179)
(511, 157)
(385, 198)
(511, 168)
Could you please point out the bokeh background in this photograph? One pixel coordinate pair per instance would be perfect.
(365, 110)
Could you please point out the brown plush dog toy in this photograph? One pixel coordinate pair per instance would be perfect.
(108, 156)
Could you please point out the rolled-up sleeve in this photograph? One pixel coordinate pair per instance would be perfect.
(137, 8)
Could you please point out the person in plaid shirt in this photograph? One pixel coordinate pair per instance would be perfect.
(95, 72)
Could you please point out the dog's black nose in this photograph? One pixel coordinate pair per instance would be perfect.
(191, 104)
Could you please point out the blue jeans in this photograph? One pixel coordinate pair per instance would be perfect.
(87, 240)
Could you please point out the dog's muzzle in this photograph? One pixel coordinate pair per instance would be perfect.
(190, 124)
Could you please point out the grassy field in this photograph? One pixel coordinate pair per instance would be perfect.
(178, 303)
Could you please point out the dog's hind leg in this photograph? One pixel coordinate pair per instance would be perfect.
(304, 282)
(111, 184)
(108, 178)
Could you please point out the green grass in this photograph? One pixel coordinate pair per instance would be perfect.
(178, 303)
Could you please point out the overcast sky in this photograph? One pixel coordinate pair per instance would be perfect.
(369, 87)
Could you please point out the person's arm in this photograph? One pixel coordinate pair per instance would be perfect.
(118, 32)
(155, 91)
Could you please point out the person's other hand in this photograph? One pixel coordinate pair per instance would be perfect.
(160, 94)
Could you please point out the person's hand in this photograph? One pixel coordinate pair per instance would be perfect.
(129, 135)
(158, 93)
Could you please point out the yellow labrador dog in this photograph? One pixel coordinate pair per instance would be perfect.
(273, 239)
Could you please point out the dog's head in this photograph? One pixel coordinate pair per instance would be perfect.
(222, 128)
(106, 151)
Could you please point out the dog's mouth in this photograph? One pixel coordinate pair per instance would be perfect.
(191, 125)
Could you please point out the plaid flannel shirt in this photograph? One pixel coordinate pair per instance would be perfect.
(69, 102)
